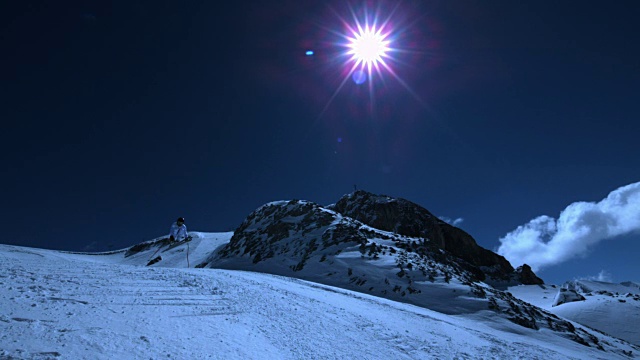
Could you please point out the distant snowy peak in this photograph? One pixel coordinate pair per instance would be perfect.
(602, 287)
(632, 285)
(581, 290)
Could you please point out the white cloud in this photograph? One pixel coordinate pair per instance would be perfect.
(603, 275)
(545, 241)
(454, 222)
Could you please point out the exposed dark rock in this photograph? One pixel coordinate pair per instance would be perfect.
(407, 218)
(527, 277)
(306, 226)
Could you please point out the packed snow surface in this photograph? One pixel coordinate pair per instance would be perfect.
(57, 305)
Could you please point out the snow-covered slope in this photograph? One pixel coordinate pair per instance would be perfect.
(108, 306)
(611, 308)
(307, 241)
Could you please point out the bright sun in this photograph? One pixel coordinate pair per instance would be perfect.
(368, 46)
(372, 47)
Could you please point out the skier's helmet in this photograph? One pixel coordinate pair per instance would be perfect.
(180, 220)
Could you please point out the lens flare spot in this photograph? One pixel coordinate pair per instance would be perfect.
(359, 77)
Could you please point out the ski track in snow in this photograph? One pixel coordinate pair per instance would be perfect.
(65, 306)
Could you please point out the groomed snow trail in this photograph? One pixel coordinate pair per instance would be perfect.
(58, 305)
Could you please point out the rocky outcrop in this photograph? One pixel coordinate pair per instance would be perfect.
(566, 295)
(407, 218)
(357, 219)
(293, 231)
(390, 214)
(526, 276)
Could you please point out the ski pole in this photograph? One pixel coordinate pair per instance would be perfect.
(154, 254)
(188, 256)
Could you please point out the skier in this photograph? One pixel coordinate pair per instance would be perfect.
(178, 231)
(177, 235)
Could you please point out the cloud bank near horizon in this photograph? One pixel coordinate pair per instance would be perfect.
(545, 241)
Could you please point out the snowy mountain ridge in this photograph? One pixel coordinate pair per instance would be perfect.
(385, 247)
(631, 284)
(411, 281)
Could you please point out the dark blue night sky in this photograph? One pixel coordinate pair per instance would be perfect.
(119, 116)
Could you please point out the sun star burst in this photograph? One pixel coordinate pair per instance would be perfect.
(372, 44)
(369, 46)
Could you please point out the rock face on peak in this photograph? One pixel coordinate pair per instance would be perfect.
(407, 218)
(386, 213)
(293, 231)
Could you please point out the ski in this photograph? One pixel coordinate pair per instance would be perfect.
(178, 243)
(155, 252)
